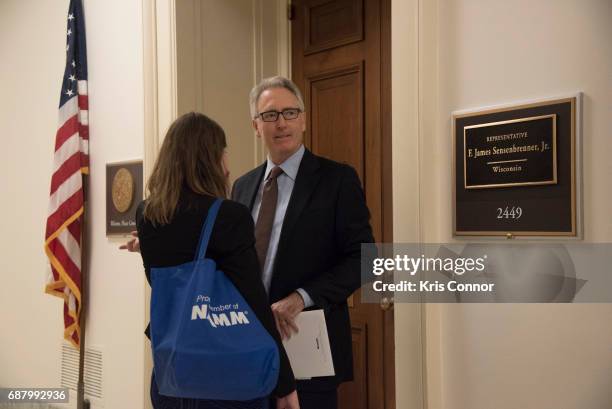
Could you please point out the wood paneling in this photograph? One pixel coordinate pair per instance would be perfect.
(330, 24)
(336, 119)
(356, 392)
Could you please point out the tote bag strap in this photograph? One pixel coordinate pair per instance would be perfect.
(207, 228)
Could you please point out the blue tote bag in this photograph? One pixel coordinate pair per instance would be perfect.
(207, 342)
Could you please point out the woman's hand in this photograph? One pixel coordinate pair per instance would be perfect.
(288, 402)
(133, 246)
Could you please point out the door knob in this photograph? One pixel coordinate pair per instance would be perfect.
(386, 303)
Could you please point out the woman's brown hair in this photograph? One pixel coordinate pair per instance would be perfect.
(190, 158)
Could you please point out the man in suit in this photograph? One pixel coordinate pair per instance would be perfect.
(310, 220)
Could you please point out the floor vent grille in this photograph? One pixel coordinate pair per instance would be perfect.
(93, 370)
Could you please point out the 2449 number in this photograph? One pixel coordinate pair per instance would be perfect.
(514, 212)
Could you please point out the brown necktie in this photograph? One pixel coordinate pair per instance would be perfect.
(265, 219)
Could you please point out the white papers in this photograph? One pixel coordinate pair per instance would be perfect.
(308, 350)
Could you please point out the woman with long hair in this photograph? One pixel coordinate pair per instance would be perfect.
(189, 175)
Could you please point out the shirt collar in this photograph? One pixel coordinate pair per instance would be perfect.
(290, 166)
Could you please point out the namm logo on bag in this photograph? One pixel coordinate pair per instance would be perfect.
(224, 315)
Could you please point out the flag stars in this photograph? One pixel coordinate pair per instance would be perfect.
(67, 47)
(70, 17)
(73, 63)
(72, 78)
(69, 92)
(69, 32)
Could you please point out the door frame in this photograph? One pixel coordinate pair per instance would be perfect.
(160, 106)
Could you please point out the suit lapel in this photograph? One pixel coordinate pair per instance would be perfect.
(251, 185)
(305, 183)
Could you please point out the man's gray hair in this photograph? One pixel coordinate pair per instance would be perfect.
(273, 82)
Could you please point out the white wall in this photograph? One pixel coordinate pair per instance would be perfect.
(228, 75)
(30, 74)
(114, 31)
(473, 53)
(32, 46)
(224, 48)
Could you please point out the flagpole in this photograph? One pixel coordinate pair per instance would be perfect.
(82, 403)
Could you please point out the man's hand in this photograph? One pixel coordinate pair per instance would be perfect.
(285, 312)
(133, 246)
(288, 402)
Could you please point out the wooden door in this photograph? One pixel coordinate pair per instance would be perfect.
(341, 61)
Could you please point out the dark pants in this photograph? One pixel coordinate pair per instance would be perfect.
(168, 402)
(315, 400)
(318, 400)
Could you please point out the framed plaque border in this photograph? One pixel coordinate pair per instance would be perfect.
(577, 207)
(138, 187)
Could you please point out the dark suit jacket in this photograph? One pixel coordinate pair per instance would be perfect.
(319, 248)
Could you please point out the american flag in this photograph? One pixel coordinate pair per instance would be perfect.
(70, 164)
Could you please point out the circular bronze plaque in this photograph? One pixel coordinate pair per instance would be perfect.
(122, 190)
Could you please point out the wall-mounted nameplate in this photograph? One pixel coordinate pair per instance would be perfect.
(514, 170)
(124, 191)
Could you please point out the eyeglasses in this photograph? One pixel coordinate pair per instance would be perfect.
(272, 116)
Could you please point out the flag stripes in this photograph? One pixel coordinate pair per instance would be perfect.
(70, 164)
